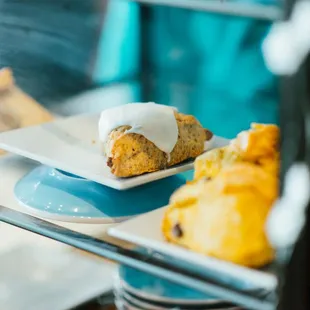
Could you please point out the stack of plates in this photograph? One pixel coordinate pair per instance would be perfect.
(135, 290)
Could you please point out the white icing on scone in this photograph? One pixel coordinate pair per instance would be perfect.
(155, 122)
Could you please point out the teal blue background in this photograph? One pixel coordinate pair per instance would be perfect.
(206, 64)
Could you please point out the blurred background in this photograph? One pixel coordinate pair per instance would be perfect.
(74, 56)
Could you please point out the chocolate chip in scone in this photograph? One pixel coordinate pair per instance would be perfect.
(109, 162)
(209, 134)
(177, 231)
(207, 178)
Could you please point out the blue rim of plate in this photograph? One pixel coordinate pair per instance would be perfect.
(135, 283)
(53, 194)
(167, 292)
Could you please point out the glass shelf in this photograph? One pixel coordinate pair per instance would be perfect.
(146, 261)
(267, 10)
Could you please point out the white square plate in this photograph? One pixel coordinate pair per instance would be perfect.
(72, 145)
(145, 231)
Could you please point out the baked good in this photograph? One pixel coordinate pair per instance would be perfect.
(223, 212)
(259, 146)
(134, 150)
(225, 217)
(212, 162)
(261, 140)
(6, 79)
(17, 109)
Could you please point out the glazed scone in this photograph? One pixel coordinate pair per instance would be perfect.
(132, 154)
(259, 146)
(225, 217)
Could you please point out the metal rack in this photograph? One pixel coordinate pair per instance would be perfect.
(148, 262)
(144, 262)
(265, 11)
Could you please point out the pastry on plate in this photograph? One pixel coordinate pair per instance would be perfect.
(146, 137)
(261, 140)
(212, 162)
(17, 109)
(259, 146)
(225, 217)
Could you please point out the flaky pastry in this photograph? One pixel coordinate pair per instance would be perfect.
(258, 146)
(224, 217)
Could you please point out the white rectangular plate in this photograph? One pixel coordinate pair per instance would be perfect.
(72, 145)
(145, 230)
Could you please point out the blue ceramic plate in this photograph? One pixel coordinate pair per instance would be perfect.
(50, 193)
(151, 288)
(157, 290)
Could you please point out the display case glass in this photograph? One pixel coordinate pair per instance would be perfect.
(202, 56)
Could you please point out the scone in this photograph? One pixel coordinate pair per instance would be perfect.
(212, 162)
(225, 217)
(132, 154)
(261, 140)
(259, 146)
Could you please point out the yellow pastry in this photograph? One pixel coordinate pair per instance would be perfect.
(225, 217)
(262, 140)
(212, 162)
(259, 146)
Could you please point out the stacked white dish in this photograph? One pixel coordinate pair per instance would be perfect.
(135, 290)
